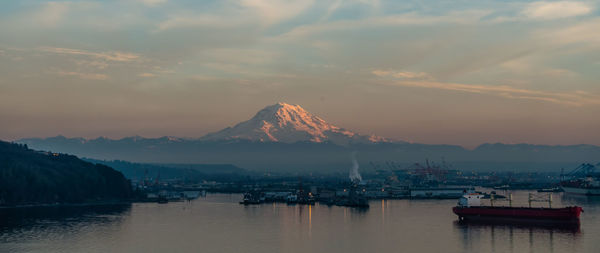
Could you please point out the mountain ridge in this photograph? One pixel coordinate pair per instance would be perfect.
(285, 136)
(324, 156)
(173, 139)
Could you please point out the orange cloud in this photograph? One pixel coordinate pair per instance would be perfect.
(86, 76)
(573, 98)
(108, 56)
(401, 74)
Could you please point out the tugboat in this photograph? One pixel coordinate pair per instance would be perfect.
(291, 199)
(356, 197)
(162, 199)
(252, 198)
(469, 208)
(553, 189)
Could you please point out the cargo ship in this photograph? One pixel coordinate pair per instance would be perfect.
(583, 180)
(469, 208)
(580, 188)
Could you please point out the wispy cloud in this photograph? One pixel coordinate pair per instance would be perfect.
(274, 11)
(405, 19)
(99, 64)
(108, 56)
(201, 20)
(146, 75)
(554, 10)
(52, 13)
(400, 74)
(582, 33)
(332, 8)
(86, 76)
(242, 14)
(571, 98)
(151, 2)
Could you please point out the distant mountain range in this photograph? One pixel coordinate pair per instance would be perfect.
(284, 137)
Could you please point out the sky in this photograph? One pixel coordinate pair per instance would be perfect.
(440, 72)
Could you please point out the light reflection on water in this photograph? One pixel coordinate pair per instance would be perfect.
(218, 224)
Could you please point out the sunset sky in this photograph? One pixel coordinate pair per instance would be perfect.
(452, 72)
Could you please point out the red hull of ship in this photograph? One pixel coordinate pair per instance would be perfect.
(566, 214)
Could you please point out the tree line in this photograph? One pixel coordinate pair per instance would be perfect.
(30, 177)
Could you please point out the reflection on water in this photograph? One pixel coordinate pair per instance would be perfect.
(48, 224)
(530, 237)
(218, 223)
(23, 218)
(572, 228)
(580, 199)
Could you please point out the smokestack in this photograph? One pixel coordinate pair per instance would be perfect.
(354, 175)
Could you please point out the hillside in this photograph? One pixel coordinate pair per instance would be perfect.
(189, 172)
(33, 177)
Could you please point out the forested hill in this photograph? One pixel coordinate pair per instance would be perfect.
(33, 177)
(186, 172)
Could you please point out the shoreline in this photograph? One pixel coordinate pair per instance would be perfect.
(103, 203)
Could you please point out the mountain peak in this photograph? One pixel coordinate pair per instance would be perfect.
(283, 122)
(283, 104)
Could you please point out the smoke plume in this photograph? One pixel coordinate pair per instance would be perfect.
(354, 175)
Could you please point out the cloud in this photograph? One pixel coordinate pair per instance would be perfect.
(86, 76)
(52, 13)
(151, 2)
(275, 11)
(146, 75)
(242, 56)
(108, 56)
(332, 8)
(406, 19)
(557, 72)
(99, 64)
(206, 20)
(573, 98)
(401, 74)
(554, 10)
(581, 33)
(239, 15)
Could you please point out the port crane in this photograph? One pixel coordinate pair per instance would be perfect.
(430, 170)
(583, 170)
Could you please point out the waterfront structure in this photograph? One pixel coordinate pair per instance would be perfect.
(440, 193)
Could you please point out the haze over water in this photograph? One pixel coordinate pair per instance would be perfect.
(217, 223)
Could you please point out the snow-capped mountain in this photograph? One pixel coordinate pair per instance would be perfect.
(287, 123)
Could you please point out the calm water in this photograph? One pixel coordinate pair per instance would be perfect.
(217, 223)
